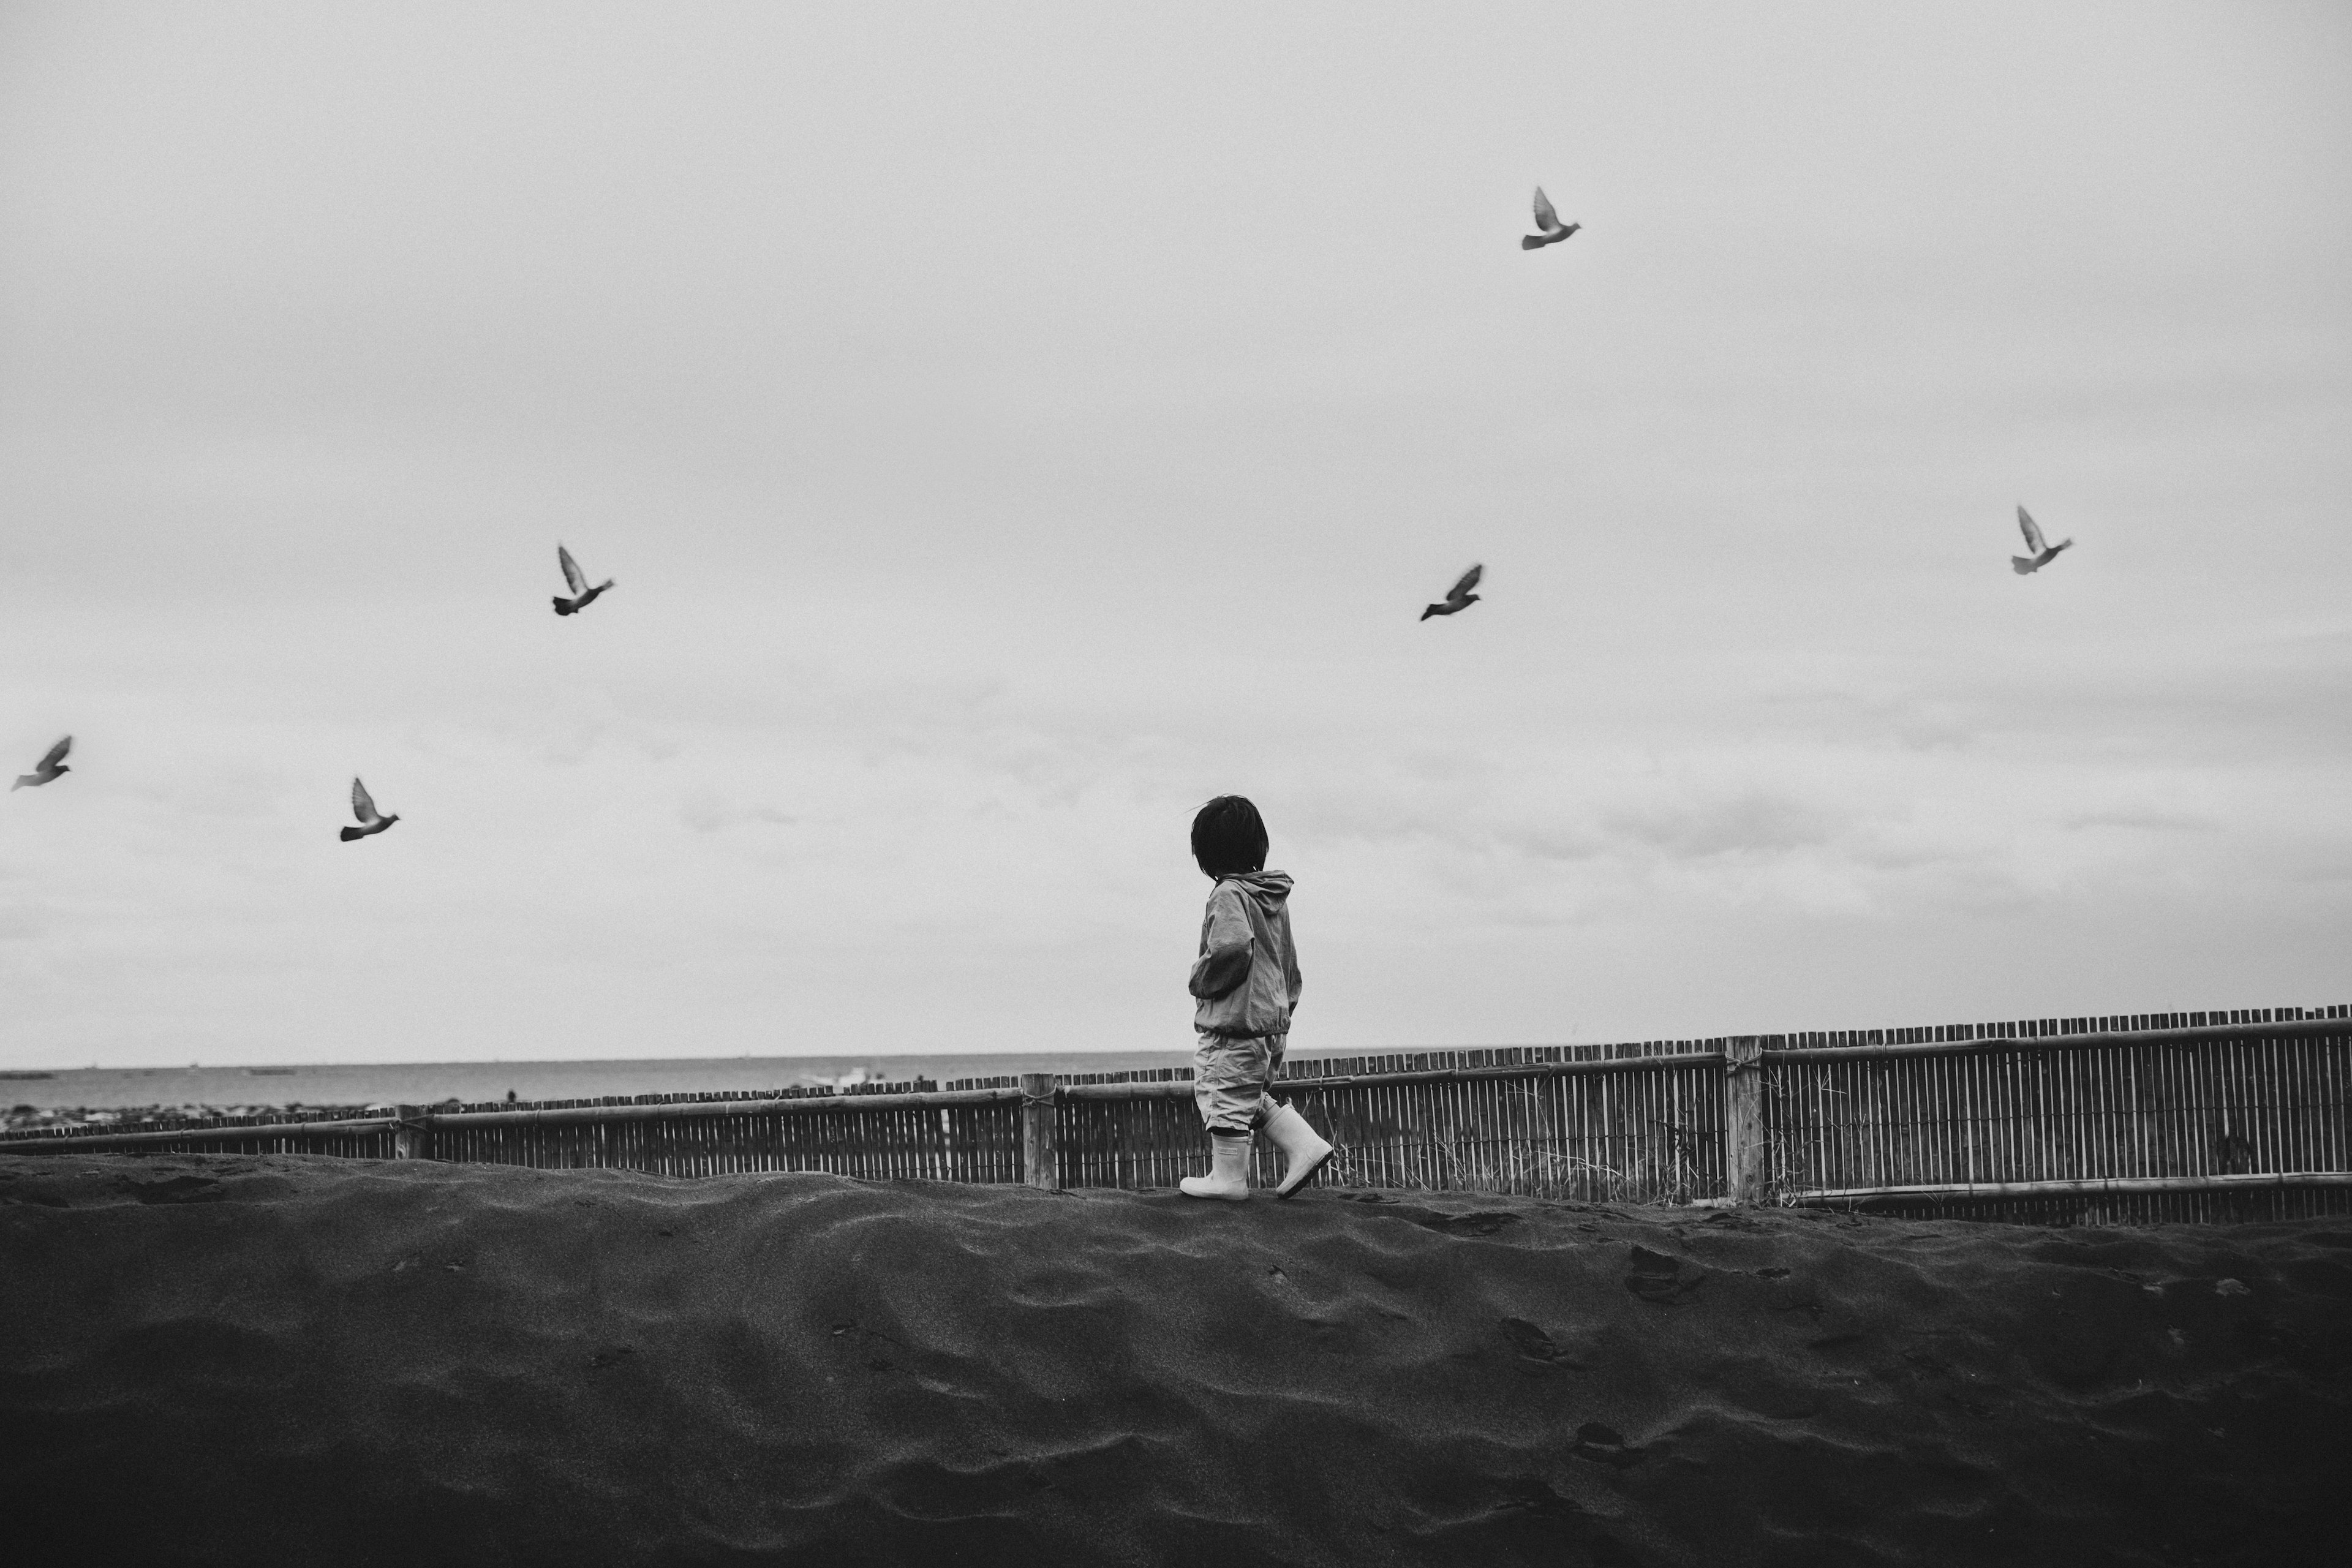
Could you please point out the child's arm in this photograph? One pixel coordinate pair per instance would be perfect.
(1225, 961)
(1221, 970)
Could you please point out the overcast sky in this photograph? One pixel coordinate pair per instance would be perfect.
(1010, 427)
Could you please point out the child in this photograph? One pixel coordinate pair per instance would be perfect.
(1247, 982)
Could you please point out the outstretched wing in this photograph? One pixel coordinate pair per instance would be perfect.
(572, 572)
(362, 804)
(56, 753)
(1469, 581)
(1546, 219)
(2033, 531)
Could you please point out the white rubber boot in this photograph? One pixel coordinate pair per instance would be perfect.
(1303, 1149)
(1228, 1177)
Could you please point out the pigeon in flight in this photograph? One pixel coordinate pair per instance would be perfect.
(583, 595)
(1459, 598)
(1554, 231)
(2044, 554)
(48, 768)
(363, 807)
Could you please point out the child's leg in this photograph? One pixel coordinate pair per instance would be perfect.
(1267, 1105)
(1229, 1078)
(1304, 1149)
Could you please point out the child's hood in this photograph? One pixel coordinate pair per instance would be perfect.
(1269, 888)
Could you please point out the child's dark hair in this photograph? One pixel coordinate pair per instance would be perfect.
(1229, 837)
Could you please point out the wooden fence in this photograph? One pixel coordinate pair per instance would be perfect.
(2172, 1116)
(2111, 1118)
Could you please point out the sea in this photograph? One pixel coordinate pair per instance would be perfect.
(235, 1089)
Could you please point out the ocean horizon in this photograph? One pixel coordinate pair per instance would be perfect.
(235, 1087)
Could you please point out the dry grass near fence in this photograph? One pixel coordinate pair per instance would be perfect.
(1517, 1168)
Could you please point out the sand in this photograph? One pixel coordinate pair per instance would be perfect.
(237, 1359)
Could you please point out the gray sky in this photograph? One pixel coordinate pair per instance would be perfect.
(1010, 427)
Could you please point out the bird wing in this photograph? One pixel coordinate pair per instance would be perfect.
(56, 753)
(2033, 531)
(1546, 219)
(362, 804)
(1469, 581)
(572, 572)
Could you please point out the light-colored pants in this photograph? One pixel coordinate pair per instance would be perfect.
(1230, 1078)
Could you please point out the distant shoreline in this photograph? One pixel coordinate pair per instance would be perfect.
(242, 1088)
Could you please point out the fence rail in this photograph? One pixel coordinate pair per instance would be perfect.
(2149, 1116)
(2109, 1187)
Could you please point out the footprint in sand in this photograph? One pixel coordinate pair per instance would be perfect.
(1657, 1276)
(1537, 1345)
(1476, 1223)
(173, 1190)
(1484, 1221)
(1605, 1446)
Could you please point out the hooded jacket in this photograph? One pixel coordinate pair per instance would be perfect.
(1246, 977)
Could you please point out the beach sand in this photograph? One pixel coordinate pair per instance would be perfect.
(242, 1359)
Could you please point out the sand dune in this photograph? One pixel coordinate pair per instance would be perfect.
(253, 1361)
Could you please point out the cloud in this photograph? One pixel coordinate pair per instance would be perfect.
(1755, 824)
(708, 812)
(2141, 821)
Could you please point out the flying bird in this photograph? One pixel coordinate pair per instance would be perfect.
(1554, 231)
(1459, 597)
(46, 770)
(363, 807)
(583, 595)
(2044, 554)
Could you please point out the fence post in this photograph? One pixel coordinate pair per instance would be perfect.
(407, 1132)
(1743, 1118)
(1039, 1165)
